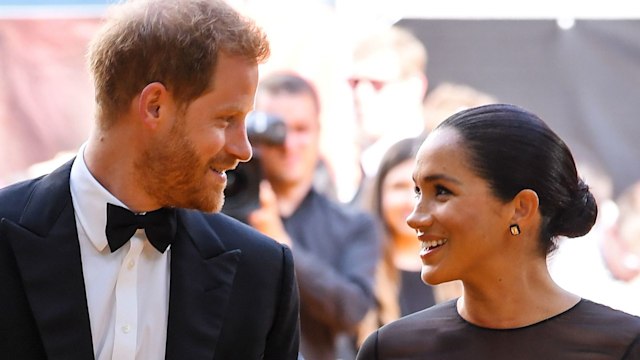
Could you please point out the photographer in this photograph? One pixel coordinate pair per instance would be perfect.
(335, 248)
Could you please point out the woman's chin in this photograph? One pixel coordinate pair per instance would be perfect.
(431, 276)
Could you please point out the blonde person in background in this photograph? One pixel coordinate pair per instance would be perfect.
(389, 82)
(448, 98)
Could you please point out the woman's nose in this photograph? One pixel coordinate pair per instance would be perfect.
(419, 218)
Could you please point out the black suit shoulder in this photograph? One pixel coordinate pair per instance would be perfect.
(14, 198)
(38, 202)
(264, 291)
(238, 235)
(261, 256)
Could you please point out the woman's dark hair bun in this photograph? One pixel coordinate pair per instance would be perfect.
(577, 218)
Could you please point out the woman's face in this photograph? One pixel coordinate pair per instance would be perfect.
(398, 198)
(462, 226)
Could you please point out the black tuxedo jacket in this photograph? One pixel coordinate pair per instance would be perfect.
(233, 293)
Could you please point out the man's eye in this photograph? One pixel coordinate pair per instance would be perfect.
(224, 121)
(416, 192)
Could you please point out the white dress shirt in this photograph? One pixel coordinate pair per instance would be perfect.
(128, 290)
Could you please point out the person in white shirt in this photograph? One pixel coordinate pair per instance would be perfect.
(121, 253)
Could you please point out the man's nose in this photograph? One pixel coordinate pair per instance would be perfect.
(238, 145)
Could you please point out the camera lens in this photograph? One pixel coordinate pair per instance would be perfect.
(235, 183)
(242, 194)
(243, 190)
(265, 128)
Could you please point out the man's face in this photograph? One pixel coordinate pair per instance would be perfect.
(294, 162)
(384, 99)
(185, 165)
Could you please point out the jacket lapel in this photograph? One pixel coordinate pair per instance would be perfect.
(202, 273)
(45, 244)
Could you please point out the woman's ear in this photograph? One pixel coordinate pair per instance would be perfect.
(151, 104)
(525, 206)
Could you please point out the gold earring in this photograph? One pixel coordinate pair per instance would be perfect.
(514, 229)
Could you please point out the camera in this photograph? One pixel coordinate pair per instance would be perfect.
(242, 194)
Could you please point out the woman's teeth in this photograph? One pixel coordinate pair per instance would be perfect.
(433, 243)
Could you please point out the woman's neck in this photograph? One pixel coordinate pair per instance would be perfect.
(514, 299)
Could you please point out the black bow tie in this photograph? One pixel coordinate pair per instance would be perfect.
(159, 226)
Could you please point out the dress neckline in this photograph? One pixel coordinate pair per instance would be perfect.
(560, 314)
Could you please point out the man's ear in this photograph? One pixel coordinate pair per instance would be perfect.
(526, 204)
(152, 103)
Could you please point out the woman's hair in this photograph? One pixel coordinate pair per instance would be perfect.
(398, 153)
(387, 278)
(513, 149)
(175, 42)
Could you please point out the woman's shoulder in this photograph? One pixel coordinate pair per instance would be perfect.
(410, 334)
(422, 323)
(591, 313)
(601, 328)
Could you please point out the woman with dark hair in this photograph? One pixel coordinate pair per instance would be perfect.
(495, 187)
(398, 288)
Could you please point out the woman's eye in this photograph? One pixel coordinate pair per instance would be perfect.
(416, 192)
(441, 190)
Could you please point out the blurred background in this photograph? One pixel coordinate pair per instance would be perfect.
(576, 66)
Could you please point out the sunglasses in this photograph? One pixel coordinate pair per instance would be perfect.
(376, 84)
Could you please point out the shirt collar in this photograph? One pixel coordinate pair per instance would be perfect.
(90, 200)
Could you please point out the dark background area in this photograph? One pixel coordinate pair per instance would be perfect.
(582, 81)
